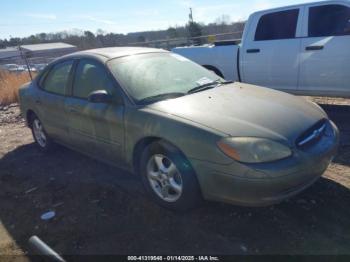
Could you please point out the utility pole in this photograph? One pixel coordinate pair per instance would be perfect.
(191, 15)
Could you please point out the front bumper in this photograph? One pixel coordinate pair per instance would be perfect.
(268, 183)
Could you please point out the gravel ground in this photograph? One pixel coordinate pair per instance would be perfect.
(103, 210)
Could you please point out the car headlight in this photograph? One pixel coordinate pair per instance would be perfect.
(253, 150)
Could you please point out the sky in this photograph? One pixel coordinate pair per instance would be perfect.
(20, 18)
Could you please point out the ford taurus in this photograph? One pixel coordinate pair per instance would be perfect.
(189, 134)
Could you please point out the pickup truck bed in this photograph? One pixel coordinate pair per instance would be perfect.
(223, 60)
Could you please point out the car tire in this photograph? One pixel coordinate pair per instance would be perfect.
(169, 178)
(41, 138)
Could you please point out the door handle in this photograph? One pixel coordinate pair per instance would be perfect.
(250, 51)
(314, 47)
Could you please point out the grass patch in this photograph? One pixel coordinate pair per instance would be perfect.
(9, 85)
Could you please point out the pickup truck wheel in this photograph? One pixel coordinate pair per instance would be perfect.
(39, 134)
(168, 178)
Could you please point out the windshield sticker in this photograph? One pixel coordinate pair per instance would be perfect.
(203, 81)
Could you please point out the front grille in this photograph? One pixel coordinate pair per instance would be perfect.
(313, 134)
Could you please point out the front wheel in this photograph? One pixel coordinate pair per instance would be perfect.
(169, 178)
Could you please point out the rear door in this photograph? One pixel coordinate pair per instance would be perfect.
(96, 128)
(325, 51)
(50, 102)
(270, 51)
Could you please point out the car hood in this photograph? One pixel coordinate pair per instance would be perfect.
(245, 110)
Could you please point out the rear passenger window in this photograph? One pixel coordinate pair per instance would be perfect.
(329, 20)
(90, 77)
(43, 76)
(279, 25)
(57, 79)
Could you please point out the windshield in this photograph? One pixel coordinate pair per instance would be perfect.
(159, 75)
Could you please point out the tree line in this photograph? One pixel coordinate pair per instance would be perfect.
(87, 39)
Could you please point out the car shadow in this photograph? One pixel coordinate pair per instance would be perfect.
(103, 210)
(340, 116)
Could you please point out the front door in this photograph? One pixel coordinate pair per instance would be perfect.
(325, 53)
(95, 128)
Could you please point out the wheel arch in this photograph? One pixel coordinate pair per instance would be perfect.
(146, 141)
(29, 115)
(214, 69)
(139, 148)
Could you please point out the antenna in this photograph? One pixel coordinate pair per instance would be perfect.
(26, 61)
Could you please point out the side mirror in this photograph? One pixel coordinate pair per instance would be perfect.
(100, 96)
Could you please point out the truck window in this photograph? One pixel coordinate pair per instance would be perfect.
(329, 20)
(278, 25)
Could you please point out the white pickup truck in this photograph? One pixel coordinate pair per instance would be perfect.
(302, 49)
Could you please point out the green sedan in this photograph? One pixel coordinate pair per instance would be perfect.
(186, 132)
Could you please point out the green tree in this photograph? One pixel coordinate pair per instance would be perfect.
(14, 41)
(172, 32)
(89, 35)
(141, 38)
(42, 36)
(194, 29)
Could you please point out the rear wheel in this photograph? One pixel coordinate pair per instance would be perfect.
(39, 134)
(169, 178)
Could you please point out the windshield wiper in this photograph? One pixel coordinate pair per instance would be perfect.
(159, 97)
(207, 86)
(226, 82)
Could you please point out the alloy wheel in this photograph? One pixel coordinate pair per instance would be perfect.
(39, 133)
(164, 178)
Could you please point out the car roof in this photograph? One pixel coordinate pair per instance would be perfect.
(323, 2)
(114, 52)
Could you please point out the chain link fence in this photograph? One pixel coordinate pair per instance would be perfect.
(16, 70)
(21, 64)
(169, 44)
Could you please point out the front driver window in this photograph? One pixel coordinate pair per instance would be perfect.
(91, 76)
(278, 25)
(57, 79)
